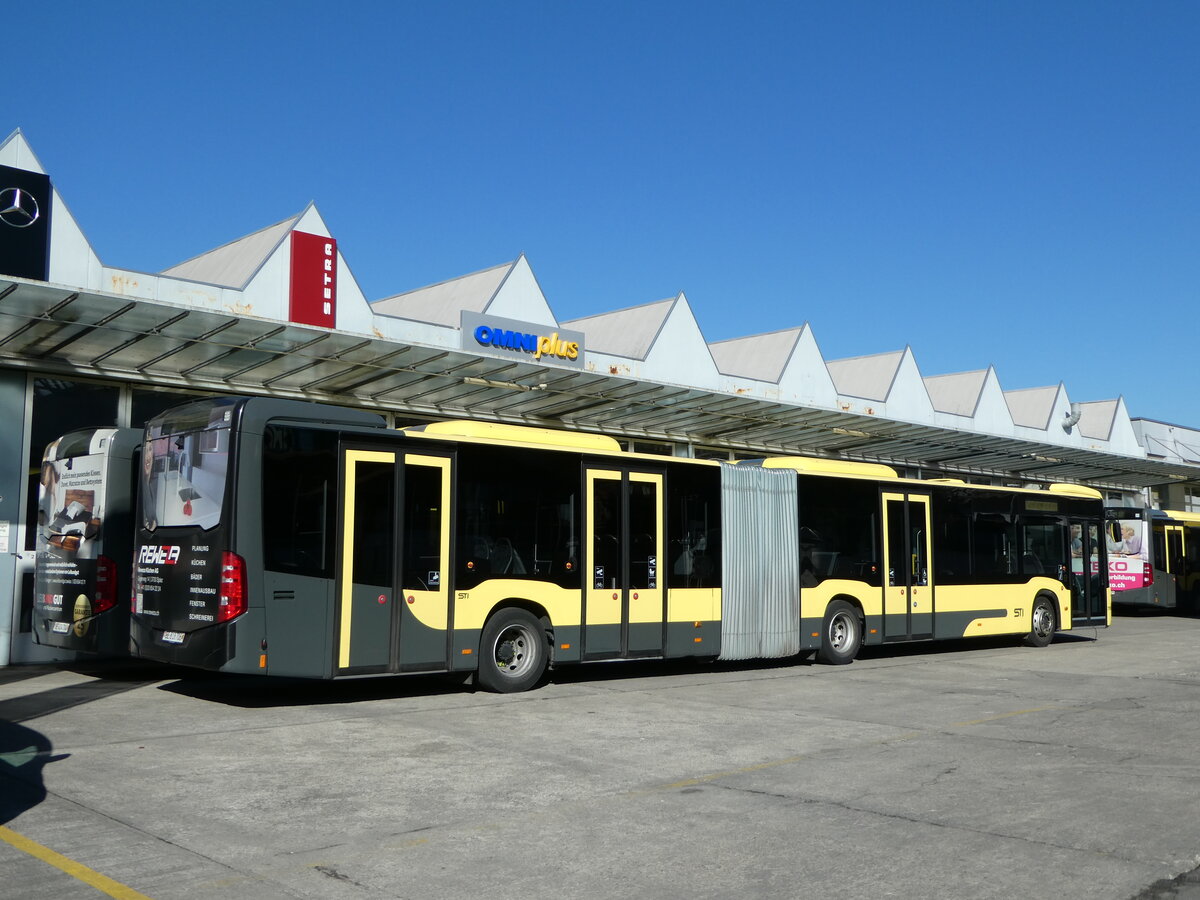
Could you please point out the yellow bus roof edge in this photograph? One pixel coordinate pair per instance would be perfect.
(520, 434)
(816, 465)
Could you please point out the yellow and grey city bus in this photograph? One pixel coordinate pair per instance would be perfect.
(1154, 558)
(288, 538)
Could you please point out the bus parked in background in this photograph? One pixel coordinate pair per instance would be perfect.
(288, 538)
(82, 581)
(1154, 558)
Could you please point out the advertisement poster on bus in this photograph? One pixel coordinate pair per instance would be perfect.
(1127, 554)
(70, 516)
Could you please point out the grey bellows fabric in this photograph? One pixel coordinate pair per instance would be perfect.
(760, 604)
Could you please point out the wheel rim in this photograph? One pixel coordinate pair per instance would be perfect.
(514, 651)
(1043, 620)
(841, 631)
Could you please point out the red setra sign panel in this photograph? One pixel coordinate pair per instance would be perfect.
(314, 280)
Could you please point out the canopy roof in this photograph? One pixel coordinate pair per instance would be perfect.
(53, 329)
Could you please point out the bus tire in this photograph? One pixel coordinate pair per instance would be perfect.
(841, 634)
(1043, 622)
(512, 651)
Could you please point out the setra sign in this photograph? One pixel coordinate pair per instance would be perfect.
(314, 280)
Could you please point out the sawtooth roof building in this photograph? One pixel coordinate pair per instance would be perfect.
(278, 312)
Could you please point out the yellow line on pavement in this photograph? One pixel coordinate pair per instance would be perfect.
(88, 876)
(1007, 715)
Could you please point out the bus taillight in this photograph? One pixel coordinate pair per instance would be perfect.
(1147, 574)
(233, 587)
(106, 585)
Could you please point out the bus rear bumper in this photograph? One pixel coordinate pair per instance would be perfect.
(205, 648)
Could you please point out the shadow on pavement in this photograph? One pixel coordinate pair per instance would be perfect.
(23, 754)
(258, 692)
(261, 692)
(105, 681)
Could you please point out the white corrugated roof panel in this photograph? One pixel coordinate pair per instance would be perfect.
(441, 303)
(762, 357)
(869, 377)
(234, 264)
(626, 332)
(1032, 407)
(1096, 418)
(956, 393)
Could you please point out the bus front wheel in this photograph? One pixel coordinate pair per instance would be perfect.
(512, 652)
(841, 634)
(1043, 622)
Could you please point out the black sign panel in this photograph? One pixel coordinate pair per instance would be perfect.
(177, 583)
(24, 224)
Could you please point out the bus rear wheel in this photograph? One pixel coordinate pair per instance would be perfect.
(1043, 622)
(841, 634)
(512, 652)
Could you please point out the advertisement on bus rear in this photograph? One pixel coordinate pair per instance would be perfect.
(70, 519)
(178, 563)
(1127, 554)
(177, 582)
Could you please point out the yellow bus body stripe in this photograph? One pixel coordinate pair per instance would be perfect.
(79, 871)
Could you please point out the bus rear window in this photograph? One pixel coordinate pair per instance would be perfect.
(183, 478)
(1126, 537)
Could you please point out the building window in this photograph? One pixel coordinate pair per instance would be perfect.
(144, 405)
(658, 448)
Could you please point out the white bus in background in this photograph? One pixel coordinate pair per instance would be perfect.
(1153, 558)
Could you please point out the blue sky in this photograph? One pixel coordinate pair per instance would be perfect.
(1005, 183)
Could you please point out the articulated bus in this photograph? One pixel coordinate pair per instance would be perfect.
(85, 541)
(288, 538)
(1154, 558)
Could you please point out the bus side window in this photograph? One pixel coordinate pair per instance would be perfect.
(1159, 541)
(299, 475)
(993, 546)
(517, 516)
(693, 528)
(422, 529)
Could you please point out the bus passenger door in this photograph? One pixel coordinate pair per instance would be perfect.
(623, 592)
(1089, 600)
(1173, 563)
(395, 524)
(1174, 554)
(1163, 591)
(425, 564)
(908, 586)
(366, 562)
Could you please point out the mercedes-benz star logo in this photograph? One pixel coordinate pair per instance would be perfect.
(18, 208)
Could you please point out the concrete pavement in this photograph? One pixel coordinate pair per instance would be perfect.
(967, 770)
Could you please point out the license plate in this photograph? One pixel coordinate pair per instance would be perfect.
(173, 637)
(60, 627)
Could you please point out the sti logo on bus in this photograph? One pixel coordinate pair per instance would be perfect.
(158, 556)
